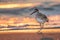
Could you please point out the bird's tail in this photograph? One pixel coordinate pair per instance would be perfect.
(47, 20)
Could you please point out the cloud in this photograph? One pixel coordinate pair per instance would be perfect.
(11, 1)
(20, 11)
(11, 11)
(26, 1)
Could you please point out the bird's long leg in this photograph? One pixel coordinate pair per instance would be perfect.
(40, 31)
(41, 27)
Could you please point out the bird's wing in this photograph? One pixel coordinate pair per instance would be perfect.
(45, 17)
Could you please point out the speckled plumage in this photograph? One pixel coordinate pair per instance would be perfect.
(41, 18)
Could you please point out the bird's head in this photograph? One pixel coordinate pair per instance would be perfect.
(35, 10)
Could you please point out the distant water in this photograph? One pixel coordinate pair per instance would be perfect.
(50, 10)
(28, 11)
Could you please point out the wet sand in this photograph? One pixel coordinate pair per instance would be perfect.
(29, 34)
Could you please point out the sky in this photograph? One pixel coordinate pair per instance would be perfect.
(27, 1)
(23, 6)
(26, 7)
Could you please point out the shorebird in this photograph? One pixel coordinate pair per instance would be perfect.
(41, 18)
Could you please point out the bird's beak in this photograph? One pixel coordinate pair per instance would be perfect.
(32, 12)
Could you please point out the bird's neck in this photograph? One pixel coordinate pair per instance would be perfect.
(39, 12)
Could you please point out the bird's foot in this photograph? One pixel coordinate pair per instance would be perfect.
(39, 32)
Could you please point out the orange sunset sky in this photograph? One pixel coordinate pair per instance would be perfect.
(5, 4)
(22, 3)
